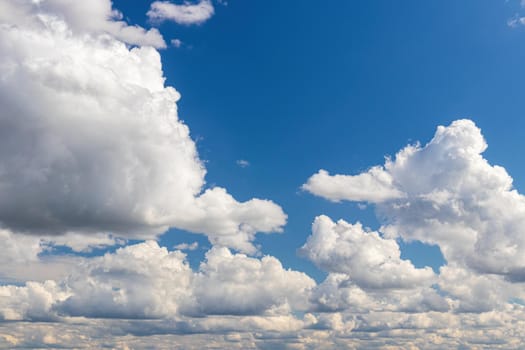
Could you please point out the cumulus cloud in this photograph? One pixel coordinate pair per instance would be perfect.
(31, 302)
(368, 260)
(92, 154)
(187, 246)
(186, 13)
(21, 259)
(452, 197)
(146, 281)
(443, 193)
(236, 284)
(99, 148)
(138, 281)
(373, 186)
(96, 16)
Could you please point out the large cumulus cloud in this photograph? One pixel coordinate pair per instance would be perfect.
(90, 140)
(146, 281)
(446, 193)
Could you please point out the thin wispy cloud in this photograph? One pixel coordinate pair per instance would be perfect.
(243, 163)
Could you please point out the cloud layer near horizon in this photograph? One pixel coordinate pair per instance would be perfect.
(100, 156)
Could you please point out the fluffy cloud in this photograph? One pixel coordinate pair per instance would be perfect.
(21, 259)
(443, 193)
(236, 284)
(139, 281)
(369, 260)
(146, 281)
(373, 186)
(31, 302)
(186, 13)
(95, 16)
(446, 193)
(337, 293)
(99, 149)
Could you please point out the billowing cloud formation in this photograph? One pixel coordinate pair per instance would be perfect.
(84, 17)
(239, 285)
(99, 148)
(146, 281)
(370, 297)
(186, 13)
(369, 260)
(447, 194)
(443, 193)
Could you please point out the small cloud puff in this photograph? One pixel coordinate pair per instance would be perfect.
(186, 13)
(243, 163)
(176, 43)
(187, 246)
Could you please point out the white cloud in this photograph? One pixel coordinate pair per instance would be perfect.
(236, 284)
(445, 193)
(186, 13)
(335, 293)
(368, 260)
(79, 242)
(18, 249)
(473, 292)
(99, 149)
(138, 281)
(373, 186)
(91, 17)
(338, 293)
(230, 223)
(176, 43)
(32, 302)
(454, 198)
(243, 163)
(21, 258)
(146, 281)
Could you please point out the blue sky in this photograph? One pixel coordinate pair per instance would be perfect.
(294, 88)
(328, 159)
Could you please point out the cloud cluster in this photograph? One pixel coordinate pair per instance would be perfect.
(92, 153)
(146, 281)
(446, 193)
(100, 148)
(368, 260)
